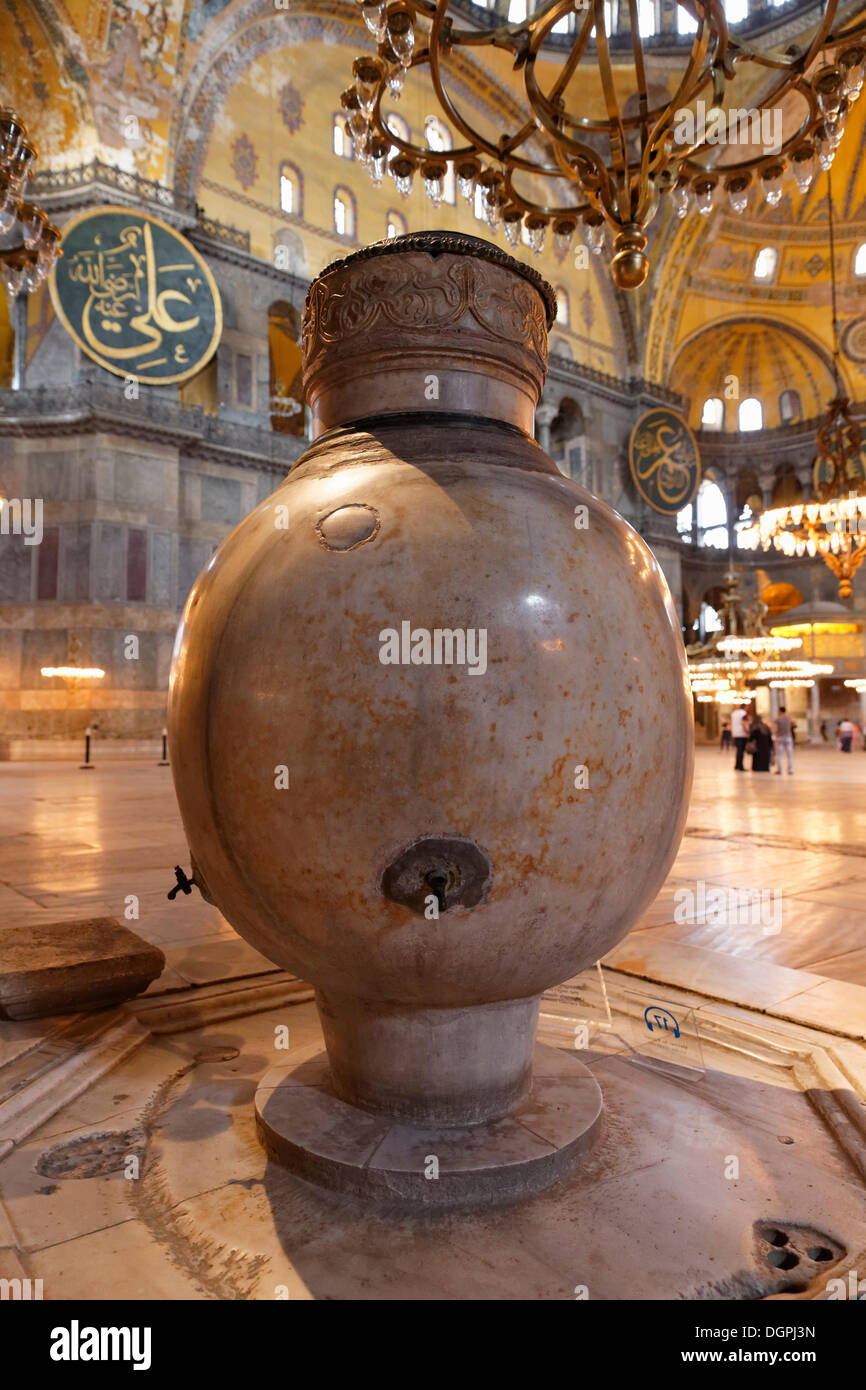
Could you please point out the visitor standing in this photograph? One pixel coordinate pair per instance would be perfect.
(761, 740)
(740, 734)
(783, 730)
(726, 734)
(846, 734)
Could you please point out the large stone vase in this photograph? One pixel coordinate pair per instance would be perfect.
(431, 733)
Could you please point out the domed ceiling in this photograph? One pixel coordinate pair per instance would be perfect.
(743, 357)
(704, 273)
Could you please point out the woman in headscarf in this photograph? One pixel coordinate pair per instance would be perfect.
(761, 739)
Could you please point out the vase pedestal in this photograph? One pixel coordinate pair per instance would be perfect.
(307, 1128)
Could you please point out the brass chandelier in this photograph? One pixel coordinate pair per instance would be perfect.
(833, 523)
(611, 171)
(726, 669)
(36, 241)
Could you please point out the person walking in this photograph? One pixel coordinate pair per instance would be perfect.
(726, 735)
(740, 734)
(761, 739)
(783, 730)
(846, 734)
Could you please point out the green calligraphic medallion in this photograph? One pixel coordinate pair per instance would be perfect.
(136, 296)
(664, 460)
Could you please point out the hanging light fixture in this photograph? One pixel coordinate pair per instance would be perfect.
(832, 524)
(35, 241)
(620, 164)
(728, 667)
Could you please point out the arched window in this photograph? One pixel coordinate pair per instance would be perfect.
(478, 204)
(685, 23)
(516, 11)
(344, 212)
(341, 137)
(562, 306)
(646, 18)
(713, 413)
(395, 224)
(765, 263)
(712, 516)
(790, 407)
(290, 189)
(736, 11)
(860, 259)
(438, 138)
(751, 414)
(684, 522)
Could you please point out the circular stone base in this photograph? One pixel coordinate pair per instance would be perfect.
(307, 1129)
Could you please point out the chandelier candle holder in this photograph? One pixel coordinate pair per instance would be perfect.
(620, 161)
(29, 242)
(454, 833)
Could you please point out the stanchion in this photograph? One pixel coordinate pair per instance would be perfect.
(87, 765)
(163, 762)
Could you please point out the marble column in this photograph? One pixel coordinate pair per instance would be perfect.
(815, 714)
(545, 415)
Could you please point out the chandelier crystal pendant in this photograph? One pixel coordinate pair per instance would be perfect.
(29, 243)
(832, 524)
(612, 166)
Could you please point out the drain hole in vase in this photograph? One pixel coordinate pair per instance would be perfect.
(819, 1253)
(774, 1237)
(782, 1259)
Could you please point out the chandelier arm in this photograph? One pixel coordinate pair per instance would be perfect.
(801, 61)
(541, 209)
(693, 81)
(512, 36)
(564, 143)
(857, 30)
(578, 49)
(803, 132)
(478, 142)
(617, 133)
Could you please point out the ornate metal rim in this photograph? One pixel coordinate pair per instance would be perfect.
(435, 243)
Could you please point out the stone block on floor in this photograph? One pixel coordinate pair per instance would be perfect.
(72, 967)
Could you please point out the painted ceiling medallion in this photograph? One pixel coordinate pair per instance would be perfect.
(245, 161)
(291, 105)
(854, 340)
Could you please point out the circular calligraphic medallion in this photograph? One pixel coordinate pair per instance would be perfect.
(664, 460)
(136, 296)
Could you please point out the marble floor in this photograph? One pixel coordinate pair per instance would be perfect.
(774, 1074)
(76, 844)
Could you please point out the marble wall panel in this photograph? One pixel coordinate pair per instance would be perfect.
(161, 569)
(221, 500)
(110, 563)
(16, 569)
(74, 576)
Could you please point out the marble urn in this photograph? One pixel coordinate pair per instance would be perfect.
(429, 717)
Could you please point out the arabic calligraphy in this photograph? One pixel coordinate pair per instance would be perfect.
(664, 460)
(137, 297)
